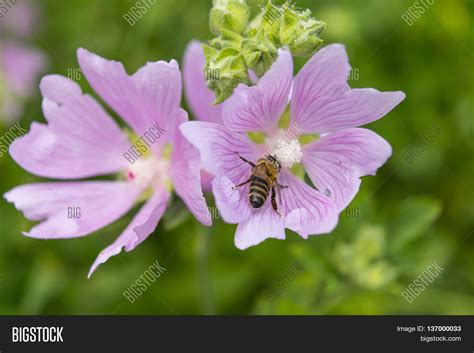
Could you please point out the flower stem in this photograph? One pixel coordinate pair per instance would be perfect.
(204, 278)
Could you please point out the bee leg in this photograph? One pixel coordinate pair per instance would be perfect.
(278, 189)
(282, 186)
(245, 160)
(274, 204)
(241, 184)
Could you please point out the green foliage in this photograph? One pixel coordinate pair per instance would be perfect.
(368, 264)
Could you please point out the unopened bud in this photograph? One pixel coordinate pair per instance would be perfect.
(300, 32)
(231, 15)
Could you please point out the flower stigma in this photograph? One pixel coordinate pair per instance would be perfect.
(145, 171)
(150, 171)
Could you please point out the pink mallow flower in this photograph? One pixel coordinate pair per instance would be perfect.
(20, 19)
(322, 106)
(80, 140)
(20, 67)
(20, 64)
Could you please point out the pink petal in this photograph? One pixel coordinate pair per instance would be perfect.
(151, 96)
(80, 139)
(263, 224)
(21, 66)
(308, 212)
(22, 18)
(206, 180)
(323, 102)
(260, 107)
(198, 96)
(72, 209)
(142, 225)
(218, 146)
(159, 87)
(186, 176)
(233, 204)
(112, 83)
(337, 161)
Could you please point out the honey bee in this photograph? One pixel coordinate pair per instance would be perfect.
(264, 178)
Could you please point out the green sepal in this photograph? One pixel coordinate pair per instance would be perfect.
(300, 32)
(231, 15)
(232, 71)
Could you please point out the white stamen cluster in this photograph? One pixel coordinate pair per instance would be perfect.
(287, 152)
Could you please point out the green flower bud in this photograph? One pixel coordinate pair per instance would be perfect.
(231, 15)
(299, 31)
(259, 52)
(240, 46)
(268, 22)
(228, 68)
(227, 39)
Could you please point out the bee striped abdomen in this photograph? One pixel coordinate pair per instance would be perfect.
(258, 193)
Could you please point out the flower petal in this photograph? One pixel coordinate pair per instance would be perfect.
(112, 83)
(21, 66)
(159, 88)
(308, 212)
(218, 147)
(259, 108)
(186, 177)
(150, 96)
(22, 18)
(142, 225)
(80, 140)
(233, 204)
(322, 101)
(337, 161)
(206, 180)
(72, 209)
(263, 224)
(199, 97)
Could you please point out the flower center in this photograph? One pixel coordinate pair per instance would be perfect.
(147, 171)
(285, 149)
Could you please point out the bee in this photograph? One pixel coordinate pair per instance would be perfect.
(264, 178)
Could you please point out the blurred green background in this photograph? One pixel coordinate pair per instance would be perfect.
(416, 211)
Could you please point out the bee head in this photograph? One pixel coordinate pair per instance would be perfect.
(274, 161)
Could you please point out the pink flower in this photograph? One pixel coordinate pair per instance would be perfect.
(322, 105)
(19, 69)
(20, 19)
(20, 65)
(80, 140)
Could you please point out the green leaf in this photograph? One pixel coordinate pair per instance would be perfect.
(415, 216)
